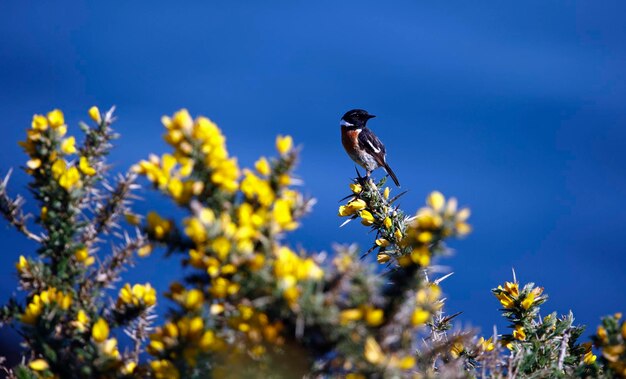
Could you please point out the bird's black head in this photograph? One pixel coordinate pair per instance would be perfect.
(356, 118)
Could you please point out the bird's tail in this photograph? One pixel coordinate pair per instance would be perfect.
(393, 176)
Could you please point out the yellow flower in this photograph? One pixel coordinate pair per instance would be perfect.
(387, 222)
(82, 320)
(34, 163)
(624, 330)
(193, 299)
(420, 317)
(283, 144)
(144, 251)
(383, 258)
(352, 207)
(39, 365)
(407, 363)
(506, 301)
(22, 264)
(85, 168)
(398, 234)
(519, 333)
(373, 353)
(207, 340)
(129, 368)
(382, 242)
(386, 193)
(40, 123)
(32, 311)
(82, 255)
(421, 256)
(58, 168)
(70, 179)
(139, 294)
(282, 215)
(528, 301)
(221, 245)
(350, 315)
(56, 119)
(436, 201)
(110, 348)
(94, 114)
(512, 288)
(100, 330)
(589, 358)
(164, 369)
(457, 349)
(263, 166)
(485, 345)
(374, 317)
(68, 145)
(356, 188)
(159, 226)
(366, 217)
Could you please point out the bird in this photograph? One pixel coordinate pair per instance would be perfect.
(361, 143)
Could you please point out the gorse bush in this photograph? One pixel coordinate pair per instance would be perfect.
(250, 305)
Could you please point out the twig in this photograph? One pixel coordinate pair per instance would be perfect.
(564, 343)
(12, 210)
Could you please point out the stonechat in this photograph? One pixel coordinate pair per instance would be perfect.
(361, 143)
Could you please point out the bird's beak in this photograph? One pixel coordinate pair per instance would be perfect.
(371, 116)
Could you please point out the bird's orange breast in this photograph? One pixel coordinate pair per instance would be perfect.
(350, 140)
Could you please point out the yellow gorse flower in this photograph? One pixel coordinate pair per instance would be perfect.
(49, 297)
(100, 330)
(85, 168)
(519, 333)
(68, 146)
(39, 365)
(485, 345)
(420, 317)
(56, 119)
(262, 166)
(284, 144)
(94, 114)
(139, 295)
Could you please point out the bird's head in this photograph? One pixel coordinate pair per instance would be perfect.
(356, 118)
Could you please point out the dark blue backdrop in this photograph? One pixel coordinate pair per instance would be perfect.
(516, 109)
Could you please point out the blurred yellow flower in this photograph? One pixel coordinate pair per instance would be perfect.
(68, 145)
(40, 123)
(34, 163)
(283, 144)
(373, 352)
(519, 333)
(589, 358)
(94, 114)
(350, 315)
(436, 201)
(262, 166)
(56, 119)
(420, 317)
(100, 330)
(85, 168)
(485, 345)
(39, 365)
(374, 317)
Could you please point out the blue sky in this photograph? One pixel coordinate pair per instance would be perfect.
(516, 109)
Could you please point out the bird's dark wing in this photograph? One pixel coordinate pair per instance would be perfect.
(369, 143)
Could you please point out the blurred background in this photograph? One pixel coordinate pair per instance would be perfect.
(516, 109)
